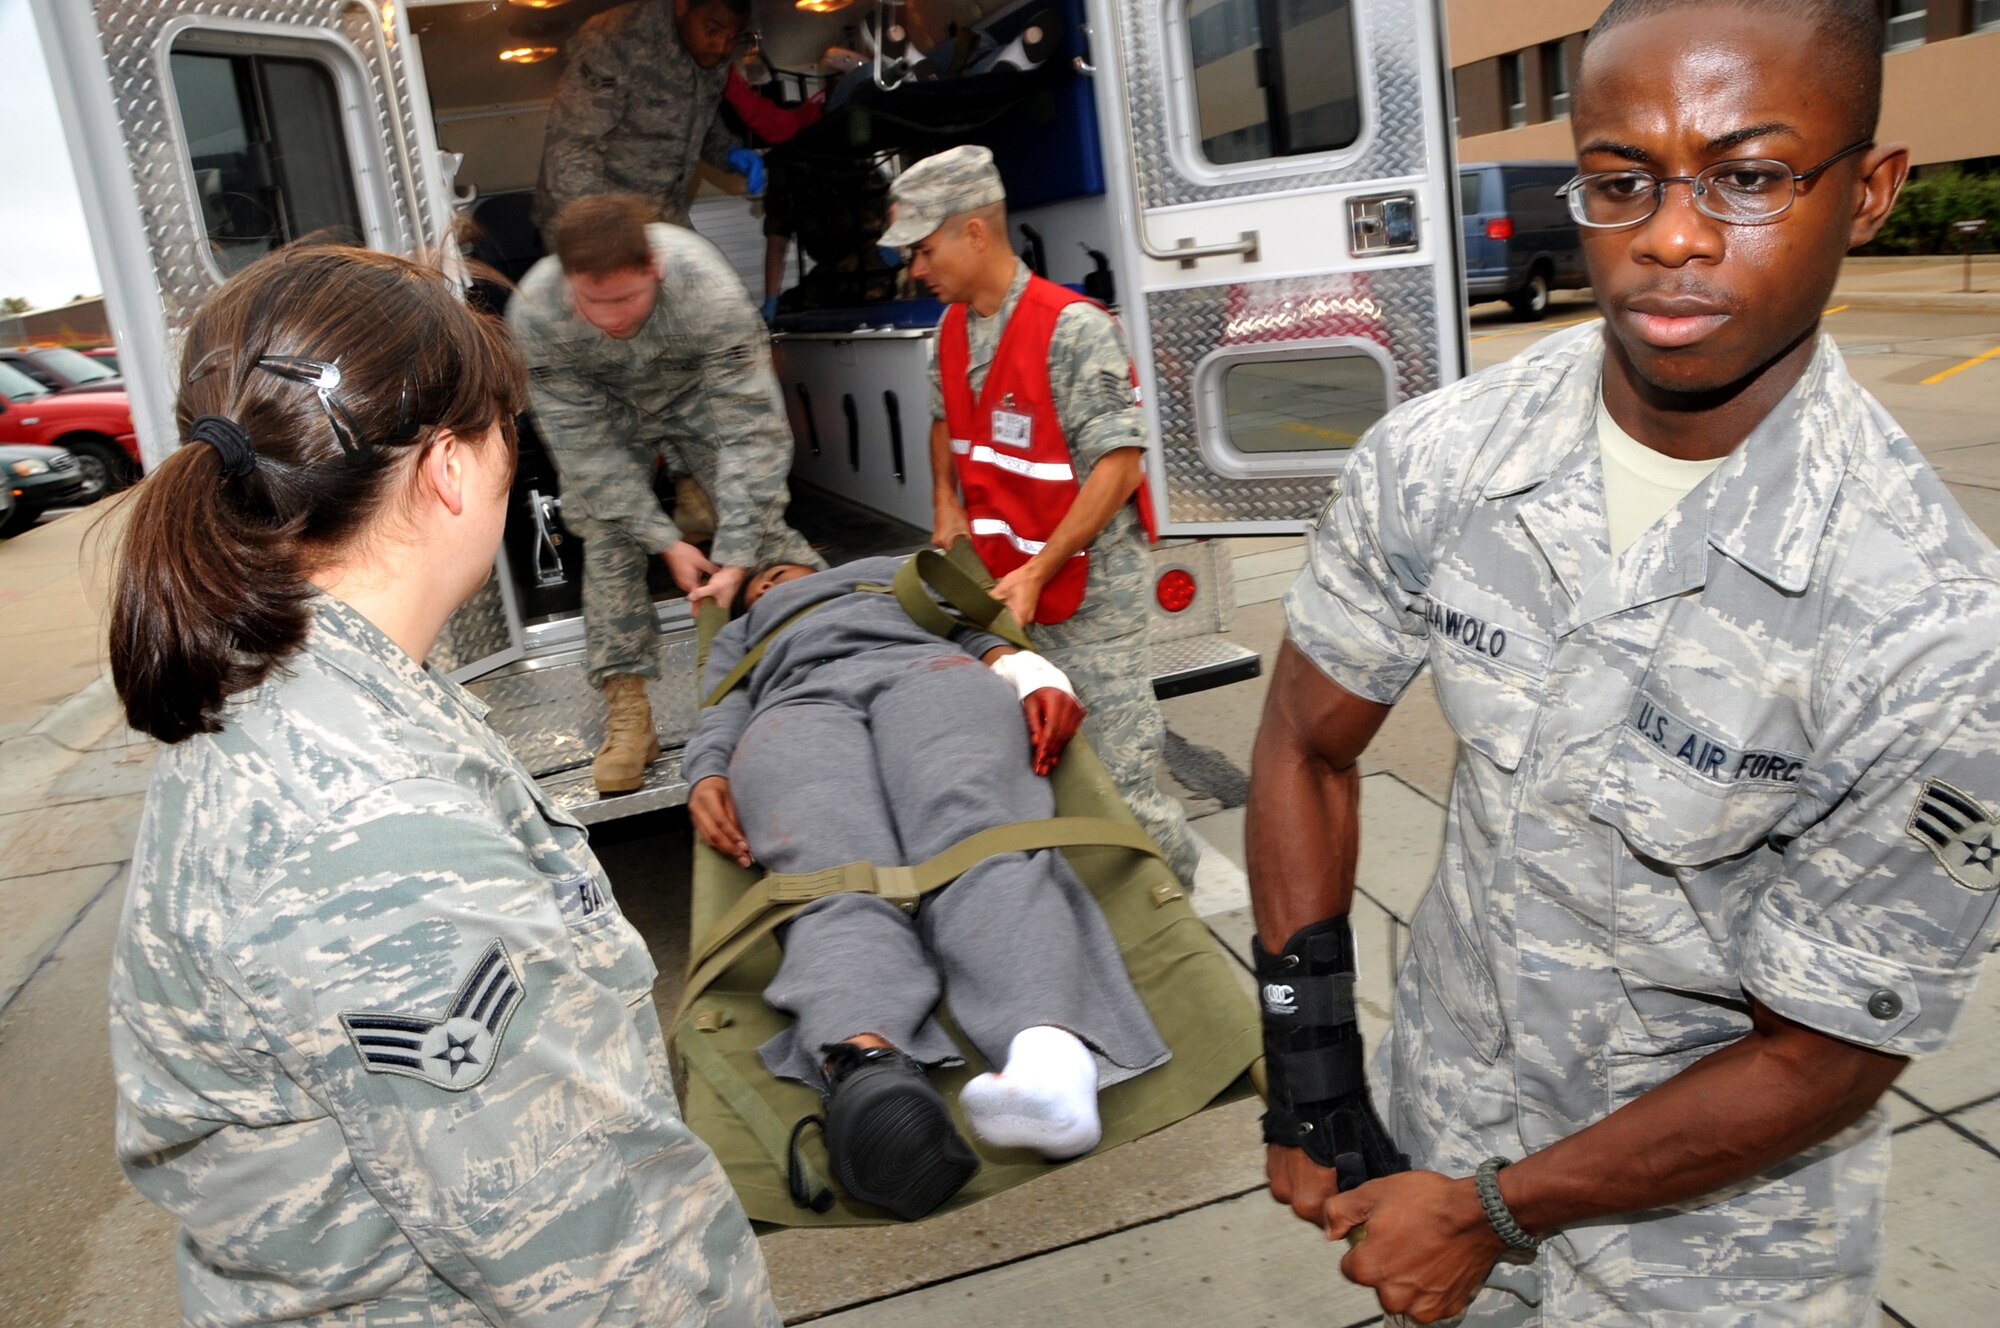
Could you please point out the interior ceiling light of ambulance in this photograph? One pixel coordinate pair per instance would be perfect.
(527, 55)
(822, 6)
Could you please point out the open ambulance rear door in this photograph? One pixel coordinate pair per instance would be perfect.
(207, 133)
(1281, 172)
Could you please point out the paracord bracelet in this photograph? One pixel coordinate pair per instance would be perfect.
(1486, 1180)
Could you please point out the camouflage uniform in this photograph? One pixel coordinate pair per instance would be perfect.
(1103, 645)
(384, 1042)
(632, 113)
(693, 387)
(1758, 754)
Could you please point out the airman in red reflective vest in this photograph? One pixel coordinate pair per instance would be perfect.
(1037, 454)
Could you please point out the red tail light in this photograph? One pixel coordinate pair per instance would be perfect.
(1500, 228)
(1175, 590)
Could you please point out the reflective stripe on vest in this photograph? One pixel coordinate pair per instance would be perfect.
(1018, 491)
(1034, 470)
(992, 526)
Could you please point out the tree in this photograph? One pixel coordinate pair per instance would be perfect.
(14, 304)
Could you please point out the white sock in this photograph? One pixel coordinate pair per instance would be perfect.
(1045, 1098)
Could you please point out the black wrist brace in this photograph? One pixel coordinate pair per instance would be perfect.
(1314, 1062)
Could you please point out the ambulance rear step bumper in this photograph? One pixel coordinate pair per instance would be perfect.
(1197, 663)
(573, 792)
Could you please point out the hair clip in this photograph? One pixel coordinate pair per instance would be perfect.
(408, 418)
(324, 379)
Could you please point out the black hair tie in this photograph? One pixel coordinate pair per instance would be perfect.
(230, 440)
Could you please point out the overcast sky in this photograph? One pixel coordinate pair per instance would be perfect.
(44, 250)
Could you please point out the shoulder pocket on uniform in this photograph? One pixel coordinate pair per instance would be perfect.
(1489, 665)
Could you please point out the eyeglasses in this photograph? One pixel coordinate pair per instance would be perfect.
(1749, 192)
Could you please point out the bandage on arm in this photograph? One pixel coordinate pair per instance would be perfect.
(1030, 673)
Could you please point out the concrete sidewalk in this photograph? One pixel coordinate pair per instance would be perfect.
(71, 775)
(1926, 284)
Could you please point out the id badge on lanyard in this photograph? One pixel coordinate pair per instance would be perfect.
(1010, 427)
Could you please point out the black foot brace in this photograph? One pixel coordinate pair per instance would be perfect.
(889, 1134)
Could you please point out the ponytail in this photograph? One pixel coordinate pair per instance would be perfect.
(311, 380)
(208, 600)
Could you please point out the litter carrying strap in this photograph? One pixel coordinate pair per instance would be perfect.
(959, 589)
(755, 654)
(773, 1135)
(927, 567)
(779, 897)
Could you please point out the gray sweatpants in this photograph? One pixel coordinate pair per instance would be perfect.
(891, 756)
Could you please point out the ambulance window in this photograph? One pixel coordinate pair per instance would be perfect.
(269, 156)
(1323, 404)
(1273, 78)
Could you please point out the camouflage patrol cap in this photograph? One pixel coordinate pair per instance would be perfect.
(956, 180)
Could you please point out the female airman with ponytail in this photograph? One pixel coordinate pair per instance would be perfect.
(384, 1043)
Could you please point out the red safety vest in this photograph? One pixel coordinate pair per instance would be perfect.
(1014, 466)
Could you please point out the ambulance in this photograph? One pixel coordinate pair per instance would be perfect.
(1259, 189)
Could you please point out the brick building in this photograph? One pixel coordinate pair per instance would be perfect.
(1514, 64)
(79, 323)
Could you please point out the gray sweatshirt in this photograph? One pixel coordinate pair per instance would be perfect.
(849, 623)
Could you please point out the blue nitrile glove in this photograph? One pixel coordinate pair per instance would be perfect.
(750, 166)
(769, 308)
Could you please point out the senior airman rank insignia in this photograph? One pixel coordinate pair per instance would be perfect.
(1961, 833)
(453, 1050)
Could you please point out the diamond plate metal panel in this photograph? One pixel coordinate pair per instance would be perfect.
(575, 794)
(554, 719)
(477, 631)
(137, 36)
(1394, 309)
(1392, 61)
(1196, 654)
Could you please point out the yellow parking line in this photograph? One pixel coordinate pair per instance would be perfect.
(1962, 367)
(1538, 327)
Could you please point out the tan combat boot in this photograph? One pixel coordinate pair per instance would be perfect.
(693, 513)
(630, 743)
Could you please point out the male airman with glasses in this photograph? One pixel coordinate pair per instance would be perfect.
(1717, 646)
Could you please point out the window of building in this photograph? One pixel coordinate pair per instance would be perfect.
(1273, 78)
(1514, 89)
(1985, 13)
(1906, 22)
(1555, 79)
(1321, 404)
(268, 152)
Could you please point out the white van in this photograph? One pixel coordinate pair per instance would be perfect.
(1261, 188)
